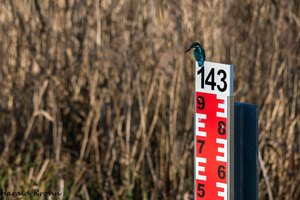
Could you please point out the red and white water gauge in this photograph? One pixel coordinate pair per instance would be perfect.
(213, 138)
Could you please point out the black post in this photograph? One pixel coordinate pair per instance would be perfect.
(245, 151)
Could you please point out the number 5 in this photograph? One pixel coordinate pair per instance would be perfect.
(200, 190)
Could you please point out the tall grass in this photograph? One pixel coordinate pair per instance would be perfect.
(96, 97)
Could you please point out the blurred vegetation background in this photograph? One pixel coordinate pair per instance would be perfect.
(96, 97)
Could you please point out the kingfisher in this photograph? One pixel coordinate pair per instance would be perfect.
(198, 53)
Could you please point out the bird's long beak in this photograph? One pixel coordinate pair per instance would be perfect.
(187, 50)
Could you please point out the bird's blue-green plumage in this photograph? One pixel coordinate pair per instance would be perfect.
(198, 53)
(199, 56)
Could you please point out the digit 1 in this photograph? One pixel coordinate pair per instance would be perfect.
(200, 191)
(200, 102)
(221, 128)
(201, 71)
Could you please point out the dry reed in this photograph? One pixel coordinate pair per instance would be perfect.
(96, 97)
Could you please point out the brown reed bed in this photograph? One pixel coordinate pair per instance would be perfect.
(96, 97)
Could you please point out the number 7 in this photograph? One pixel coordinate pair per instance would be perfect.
(201, 142)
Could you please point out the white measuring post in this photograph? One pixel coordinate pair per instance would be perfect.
(214, 141)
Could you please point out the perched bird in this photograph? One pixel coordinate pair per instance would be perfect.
(198, 53)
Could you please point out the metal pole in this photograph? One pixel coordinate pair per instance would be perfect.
(245, 151)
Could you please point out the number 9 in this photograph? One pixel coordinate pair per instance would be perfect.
(200, 102)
